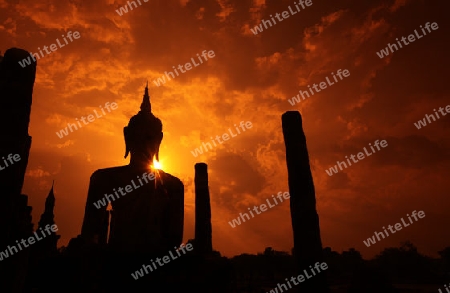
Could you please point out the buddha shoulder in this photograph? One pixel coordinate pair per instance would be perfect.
(109, 173)
(171, 181)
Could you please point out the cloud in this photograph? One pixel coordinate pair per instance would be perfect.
(249, 79)
(37, 173)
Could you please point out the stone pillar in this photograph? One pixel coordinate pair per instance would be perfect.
(16, 89)
(203, 229)
(305, 220)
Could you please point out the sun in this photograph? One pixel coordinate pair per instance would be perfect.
(157, 165)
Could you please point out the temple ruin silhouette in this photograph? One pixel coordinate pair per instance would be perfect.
(144, 223)
(16, 88)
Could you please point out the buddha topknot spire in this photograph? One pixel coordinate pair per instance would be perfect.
(146, 106)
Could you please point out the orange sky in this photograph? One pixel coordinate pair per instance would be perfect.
(249, 79)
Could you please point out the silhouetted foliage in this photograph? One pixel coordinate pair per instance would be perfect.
(404, 263)
(369, 280)
(445, 258)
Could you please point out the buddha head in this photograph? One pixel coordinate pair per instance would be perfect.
(143, 135)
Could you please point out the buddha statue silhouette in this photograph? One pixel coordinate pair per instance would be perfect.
(149, 217)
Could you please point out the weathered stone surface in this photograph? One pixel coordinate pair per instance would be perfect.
(305, 220)
(203, 228)
(16, 89)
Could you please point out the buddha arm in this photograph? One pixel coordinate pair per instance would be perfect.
(95, 225)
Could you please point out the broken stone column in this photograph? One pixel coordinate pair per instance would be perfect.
(16, 90)
(203, 229)
(305, 220)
